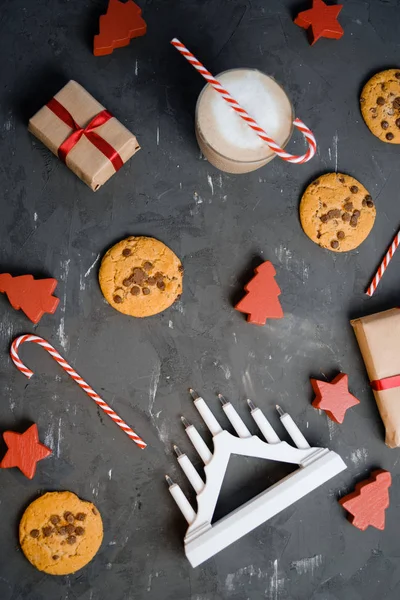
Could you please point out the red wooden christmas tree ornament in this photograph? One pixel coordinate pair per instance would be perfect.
(367, 504)
(321, 21)
(24, 451)
(118, 26)
(33, 296)
(261, 301)
(334, 397)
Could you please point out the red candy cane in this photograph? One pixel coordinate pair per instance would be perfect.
(90, 391)
(383, 266)
(312, 144)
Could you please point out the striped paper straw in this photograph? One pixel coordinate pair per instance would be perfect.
(90, 391)
(384, 264)
(312, 144)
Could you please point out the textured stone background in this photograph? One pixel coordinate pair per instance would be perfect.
(221, 226)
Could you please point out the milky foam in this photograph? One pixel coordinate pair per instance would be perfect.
(256, 99)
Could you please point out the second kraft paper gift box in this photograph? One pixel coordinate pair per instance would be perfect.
(82, 133)
(378, 336)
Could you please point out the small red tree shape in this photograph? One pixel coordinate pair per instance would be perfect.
(261, 301)
(33, 296)
(118, 26)
(368, 502)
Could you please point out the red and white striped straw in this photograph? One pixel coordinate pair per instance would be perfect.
(312, 144)
(90, 391)
(384, 264)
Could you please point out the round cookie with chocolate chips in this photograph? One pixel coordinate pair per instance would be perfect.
(380, 105)
(59, 533)
(337, 212)
(140, 276)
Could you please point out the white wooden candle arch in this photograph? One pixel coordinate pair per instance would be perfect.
(317, 465)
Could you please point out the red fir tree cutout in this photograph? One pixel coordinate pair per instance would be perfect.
(261, 301)
(334, 397)
(33, 296)
(321, 21)
(24, 451)
(367, 504)
(118, 26)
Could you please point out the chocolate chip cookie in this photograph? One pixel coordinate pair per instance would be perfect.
(337, 212)
(140, 276)
(59, 533)
(380, 105)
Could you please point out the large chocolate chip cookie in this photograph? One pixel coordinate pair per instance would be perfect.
(59, 533)
(337, 212)
(380, 105)
(140, 276)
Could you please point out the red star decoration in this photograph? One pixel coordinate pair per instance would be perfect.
(322, 21)
(367, 504)
(334, 397)
(24, 451)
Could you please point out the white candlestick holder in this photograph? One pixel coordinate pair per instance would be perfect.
(203, 539)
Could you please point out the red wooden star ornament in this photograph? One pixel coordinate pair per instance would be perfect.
(24, 451)
(367, 504)
(321, 21)
(334, 397)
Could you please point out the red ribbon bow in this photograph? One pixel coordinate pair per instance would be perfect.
(387, 383)
(101, 144)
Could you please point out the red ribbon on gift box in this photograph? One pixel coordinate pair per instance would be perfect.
(71, 141)
(387, 383)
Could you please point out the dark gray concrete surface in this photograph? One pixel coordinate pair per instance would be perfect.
(220, 226)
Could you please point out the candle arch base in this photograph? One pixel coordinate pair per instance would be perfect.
(204, 539)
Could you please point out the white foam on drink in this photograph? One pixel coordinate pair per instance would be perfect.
(253, 95)
(262, 98)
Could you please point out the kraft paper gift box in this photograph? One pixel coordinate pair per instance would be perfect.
(82, 133)
(378, 336)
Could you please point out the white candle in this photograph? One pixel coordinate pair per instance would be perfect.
(234, 418)
(206, 413)
(292, 429)
(181, 500)
(263, 424)
(197, 441)
(189, 470)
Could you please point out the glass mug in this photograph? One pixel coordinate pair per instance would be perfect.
(225, 140)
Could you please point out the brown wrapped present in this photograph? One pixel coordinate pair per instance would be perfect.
(379, 337)
(82, 133)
